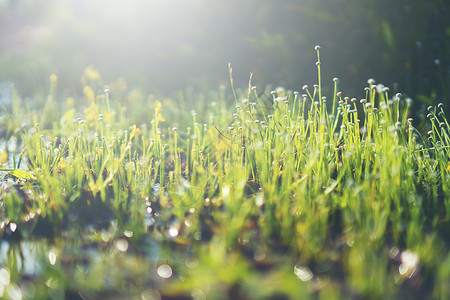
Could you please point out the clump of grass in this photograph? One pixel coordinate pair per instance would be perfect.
(326, 195)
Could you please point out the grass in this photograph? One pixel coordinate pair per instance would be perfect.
(281, 195)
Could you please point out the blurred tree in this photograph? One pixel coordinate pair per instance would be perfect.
(166, 45)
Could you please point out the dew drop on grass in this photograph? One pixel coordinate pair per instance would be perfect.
(259, 201)
(409, 263)
(122, 245)
(13, 227)
(128, 233)
(403, 269)
(226, 191)
(303, 273)
(173, 231)
(52, 257)
(198, 236)
(106, 235)
(164, 271)
(410, 259)
(259, 255)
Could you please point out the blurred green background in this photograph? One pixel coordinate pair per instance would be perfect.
(167, 45)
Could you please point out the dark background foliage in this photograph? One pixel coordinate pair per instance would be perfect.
(164, 46)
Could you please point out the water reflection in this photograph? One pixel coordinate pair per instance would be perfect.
(92, 261)
(21, 256)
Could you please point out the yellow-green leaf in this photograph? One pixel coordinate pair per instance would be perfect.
(22, 174)
(3, 158)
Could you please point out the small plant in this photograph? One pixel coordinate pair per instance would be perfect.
(320, 195)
